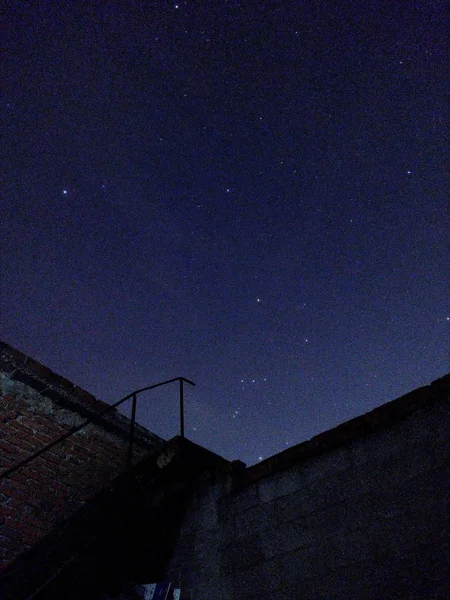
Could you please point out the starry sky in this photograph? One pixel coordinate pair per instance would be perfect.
(251, 195)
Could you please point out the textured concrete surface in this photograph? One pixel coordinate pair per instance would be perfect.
(364, 519)
(37, 407)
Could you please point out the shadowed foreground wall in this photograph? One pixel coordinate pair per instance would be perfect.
(37, 407)
(357, 512)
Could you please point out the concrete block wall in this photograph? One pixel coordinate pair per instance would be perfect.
(358, 512)
(37, 407)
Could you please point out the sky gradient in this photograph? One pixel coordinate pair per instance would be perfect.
(250, 195)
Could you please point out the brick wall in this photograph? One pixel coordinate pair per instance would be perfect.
(357, 512)
(36, 407)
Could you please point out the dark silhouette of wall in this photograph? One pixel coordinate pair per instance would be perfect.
(37, 407)
(357, 512)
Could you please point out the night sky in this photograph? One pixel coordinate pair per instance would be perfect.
(248, 194)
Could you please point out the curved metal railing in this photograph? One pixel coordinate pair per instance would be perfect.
(133, 395)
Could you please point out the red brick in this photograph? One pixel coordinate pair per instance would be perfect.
(7, 446)
(20, 442)
(42, 428)
(17, 493)
(50, 457)
(46, 421)
(55, 484)
(42, 438)
(8, 414)
(23, 427)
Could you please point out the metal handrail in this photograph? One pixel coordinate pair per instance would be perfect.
(133, 395)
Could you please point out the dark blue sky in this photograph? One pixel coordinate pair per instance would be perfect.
(251, 195)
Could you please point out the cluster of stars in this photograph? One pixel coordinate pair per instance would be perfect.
(254, 380)
(223, 158)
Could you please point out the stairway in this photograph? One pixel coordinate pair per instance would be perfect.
(122, 537)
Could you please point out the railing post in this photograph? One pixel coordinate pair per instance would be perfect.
(181, 408)
(131, 440)
(8, 472)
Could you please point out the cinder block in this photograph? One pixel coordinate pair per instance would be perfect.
(331, 522)
(281, 484)
(296, 565)
(423, 435)
(334, 489)
(370, 448)
(213, 590)
(346, 583)
(429, 425)
(399, 535)
(226, 531)
(201, 518)
(206, 564)
(242, 554)
(207, 553)
(327, 465)
(347, 548)
(257, 582)
(244, 499)
(362, 511)
(224, 508)
(293, 507)
(255, 520)
(276, 541)
(425, 492)
(404, 465)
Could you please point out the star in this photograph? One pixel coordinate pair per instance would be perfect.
(137, 180)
